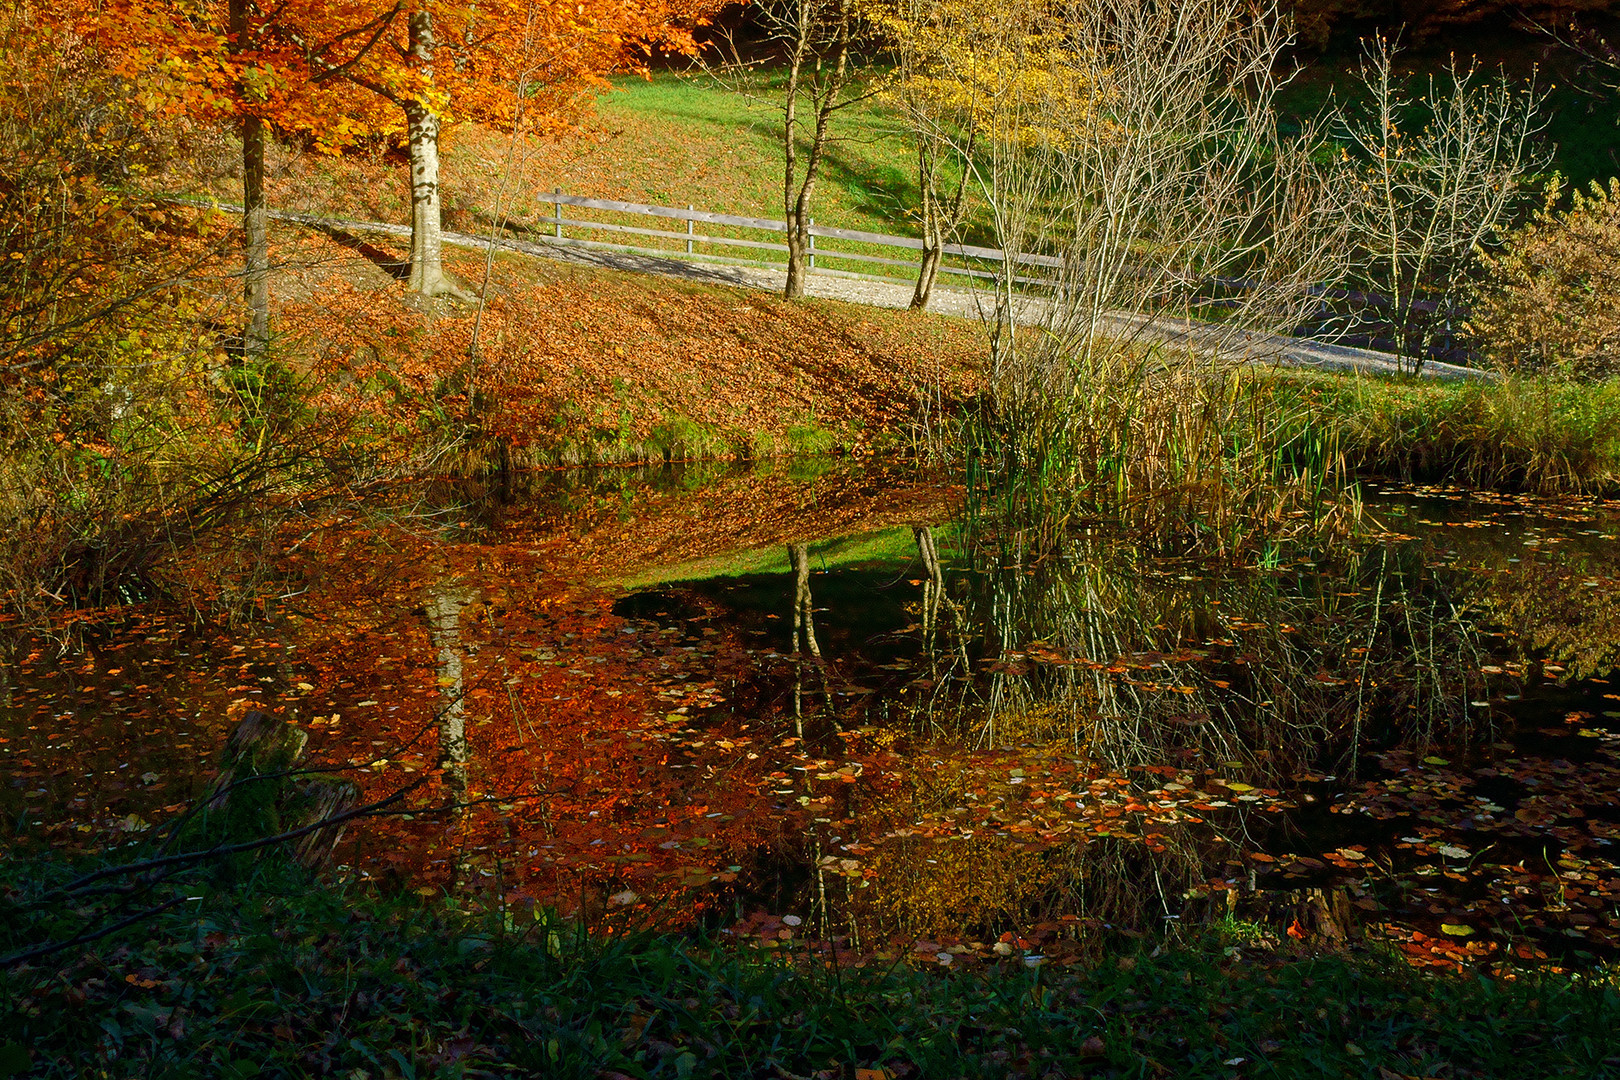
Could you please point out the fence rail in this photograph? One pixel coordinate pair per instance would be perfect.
(967, 255)
(558, 225)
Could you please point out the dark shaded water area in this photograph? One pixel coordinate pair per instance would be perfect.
(798, 704)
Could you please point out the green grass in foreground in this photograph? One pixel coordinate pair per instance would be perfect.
(1533, 434)
(284, 979)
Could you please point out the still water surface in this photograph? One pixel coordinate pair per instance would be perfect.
(801, 704)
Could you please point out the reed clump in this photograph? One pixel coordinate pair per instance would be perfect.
(1192, 452)
(1539, 433)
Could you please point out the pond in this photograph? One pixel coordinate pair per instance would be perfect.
(808, 703)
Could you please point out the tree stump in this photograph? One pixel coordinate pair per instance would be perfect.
(260, 746)
(256, 792)
(321, 799)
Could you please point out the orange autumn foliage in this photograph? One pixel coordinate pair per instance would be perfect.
(304, 66)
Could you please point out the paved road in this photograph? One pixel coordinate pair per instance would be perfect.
(1268, 348)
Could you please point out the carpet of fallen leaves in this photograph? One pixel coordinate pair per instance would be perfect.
(569, 354)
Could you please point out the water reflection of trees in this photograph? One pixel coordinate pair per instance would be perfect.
(1106, 653)
(1561, 604)
(1138, 659)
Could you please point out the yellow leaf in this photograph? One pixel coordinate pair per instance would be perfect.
(1456, 929)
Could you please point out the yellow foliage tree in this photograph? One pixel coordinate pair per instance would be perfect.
(969, 71)
(1550, 300)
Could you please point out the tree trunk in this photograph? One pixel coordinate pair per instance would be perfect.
(443, 607)
(926, 273)
(798, 267)
(422, 131)
(927, 175)
(255, 240)
(255, 212)
(797, 242)
(824, 89)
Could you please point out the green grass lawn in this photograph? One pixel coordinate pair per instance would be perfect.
(869, 175)
(682, 139)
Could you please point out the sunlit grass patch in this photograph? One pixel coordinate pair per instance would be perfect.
(1537, 434)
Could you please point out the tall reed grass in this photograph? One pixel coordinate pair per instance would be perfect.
(1193, 452)
(1538, 434)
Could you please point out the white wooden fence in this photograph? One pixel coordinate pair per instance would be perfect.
(684, 244)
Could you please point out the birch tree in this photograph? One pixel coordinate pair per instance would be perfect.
(957, 63)
(468, 59)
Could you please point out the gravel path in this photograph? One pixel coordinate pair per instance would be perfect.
(1260, 347)
(963, 303)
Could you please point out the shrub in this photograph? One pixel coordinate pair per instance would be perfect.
(1551, 302)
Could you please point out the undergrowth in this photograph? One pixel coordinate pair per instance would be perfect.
(274, 977)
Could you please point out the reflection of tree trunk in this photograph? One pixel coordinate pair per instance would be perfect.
(933, 586)
(444, 604)
(804, 627)
(256, 235)
(934, 598)
(804, 634)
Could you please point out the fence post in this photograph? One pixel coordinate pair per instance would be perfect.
(689, 229)
(557, 209)
(812, 245)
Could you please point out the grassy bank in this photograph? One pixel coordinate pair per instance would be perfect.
(1530, 434)
(274, 978)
